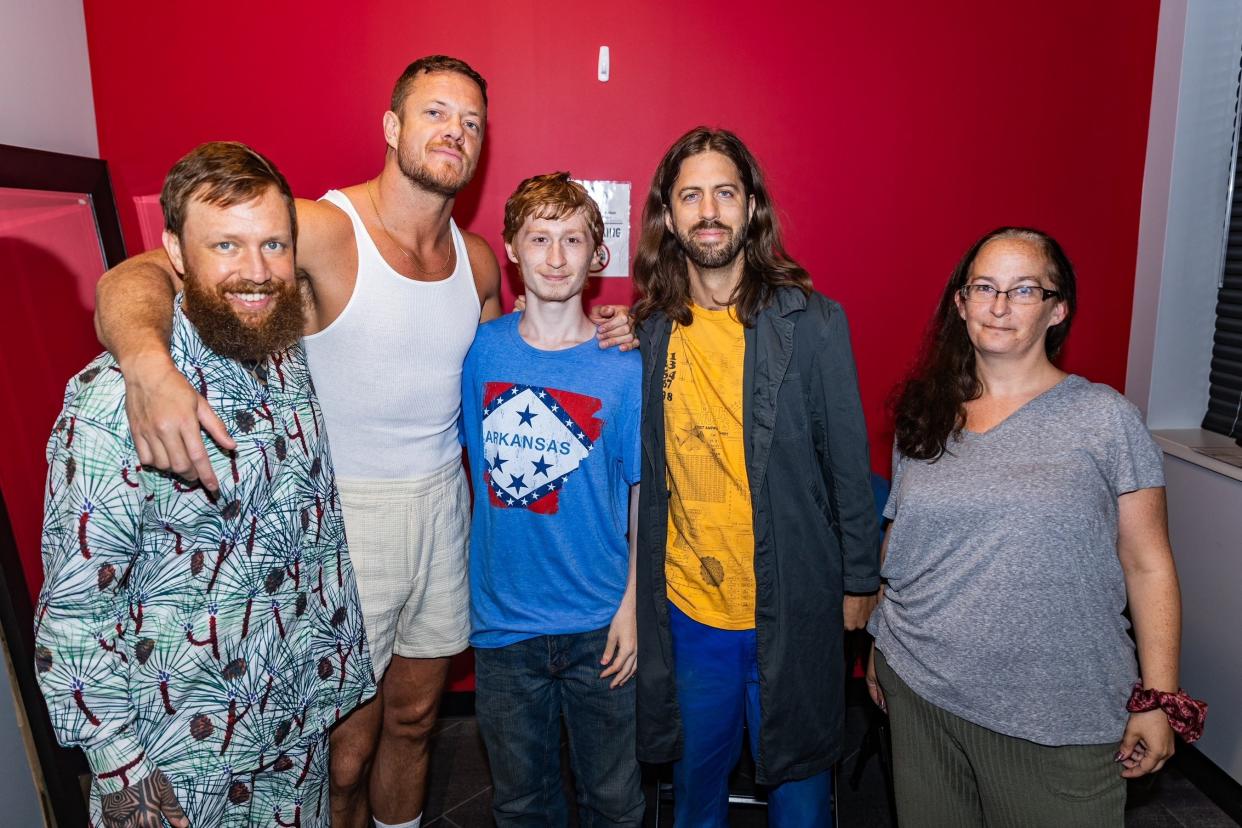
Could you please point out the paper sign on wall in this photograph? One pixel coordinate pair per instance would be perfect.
(613, 198)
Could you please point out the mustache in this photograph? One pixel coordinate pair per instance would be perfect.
(247, 286)
(711, 224)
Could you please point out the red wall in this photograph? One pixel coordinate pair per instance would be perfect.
(893, 134)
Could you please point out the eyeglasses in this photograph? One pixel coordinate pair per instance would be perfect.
(1020, 295)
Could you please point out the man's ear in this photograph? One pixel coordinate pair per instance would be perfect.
(172, 246)
(750, 207)
(392, 129)
(668, 220)
(512, 256)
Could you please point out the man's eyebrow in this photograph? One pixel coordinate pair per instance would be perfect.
(473, 112)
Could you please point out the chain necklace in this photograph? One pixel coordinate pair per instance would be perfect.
(404, 252)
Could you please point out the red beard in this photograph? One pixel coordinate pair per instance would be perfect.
(227, 333)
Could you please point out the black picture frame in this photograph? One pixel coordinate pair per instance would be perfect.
(61, 768)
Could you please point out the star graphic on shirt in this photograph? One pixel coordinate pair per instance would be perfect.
(498, 463)
(527, 415)
(517, 482)
(541, 467)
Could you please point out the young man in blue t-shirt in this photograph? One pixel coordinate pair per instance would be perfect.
(551, 423)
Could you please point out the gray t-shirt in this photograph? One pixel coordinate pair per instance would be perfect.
(1004, 592)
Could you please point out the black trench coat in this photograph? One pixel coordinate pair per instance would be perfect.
(815, 530)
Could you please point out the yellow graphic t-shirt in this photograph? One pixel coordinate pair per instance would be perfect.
(711, 539)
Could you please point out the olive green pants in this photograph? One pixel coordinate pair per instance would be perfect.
(952, 773)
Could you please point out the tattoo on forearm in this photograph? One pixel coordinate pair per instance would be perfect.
(142, 805)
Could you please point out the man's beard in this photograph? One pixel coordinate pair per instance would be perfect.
(224, 331)
(710, 257)
(445, 183)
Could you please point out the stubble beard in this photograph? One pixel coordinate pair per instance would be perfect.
(224, 331)
(711, 257)
(422, 175)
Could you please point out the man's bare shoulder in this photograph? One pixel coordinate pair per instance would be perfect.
(325, 240)
(318, 220)
(482, 257)
(486, 275)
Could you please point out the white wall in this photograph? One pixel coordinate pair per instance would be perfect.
(45, 103)
(45, 77)
(1204, 511)
(1181, 233)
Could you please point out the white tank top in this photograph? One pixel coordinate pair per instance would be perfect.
(388, 369)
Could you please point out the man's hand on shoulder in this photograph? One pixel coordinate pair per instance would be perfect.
(165, 415)
(144, 805)
(614, 326)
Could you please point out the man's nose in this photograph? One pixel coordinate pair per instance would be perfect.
(255, 267)
(556, 255)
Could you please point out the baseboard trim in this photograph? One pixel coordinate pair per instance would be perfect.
(1218, 786)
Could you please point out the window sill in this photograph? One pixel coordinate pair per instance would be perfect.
(1182, 442)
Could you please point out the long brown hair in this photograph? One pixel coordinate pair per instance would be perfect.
(660, 265)
(929, 406)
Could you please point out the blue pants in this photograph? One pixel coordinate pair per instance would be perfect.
(521, 692)
(717, 676)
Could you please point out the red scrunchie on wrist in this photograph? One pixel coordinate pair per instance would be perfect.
(1185, 714)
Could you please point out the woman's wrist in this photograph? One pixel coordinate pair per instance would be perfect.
(1185, 714)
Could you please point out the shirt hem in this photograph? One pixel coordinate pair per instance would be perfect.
(997, 726)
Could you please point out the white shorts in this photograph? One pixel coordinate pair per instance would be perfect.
(408, 541)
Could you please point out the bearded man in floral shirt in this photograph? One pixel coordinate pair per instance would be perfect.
(198, 646)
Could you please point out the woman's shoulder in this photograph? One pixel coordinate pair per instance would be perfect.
(1095, 396)
(1097, 405)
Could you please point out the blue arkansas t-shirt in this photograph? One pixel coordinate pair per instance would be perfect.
(554, 446)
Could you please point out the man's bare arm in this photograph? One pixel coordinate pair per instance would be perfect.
(133, 304)
(486, 276)
(133, 320)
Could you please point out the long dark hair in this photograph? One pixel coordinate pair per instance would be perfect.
(929, 406)
(660, 265)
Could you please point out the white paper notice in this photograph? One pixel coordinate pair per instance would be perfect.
(613, 198)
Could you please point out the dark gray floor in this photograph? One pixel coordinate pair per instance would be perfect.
(459, 794)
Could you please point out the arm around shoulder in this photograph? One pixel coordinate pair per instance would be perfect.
(133, 306)
(133, 318)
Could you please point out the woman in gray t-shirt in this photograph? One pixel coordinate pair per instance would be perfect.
(1028, 509)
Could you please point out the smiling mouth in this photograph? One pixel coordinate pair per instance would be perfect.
(250, 301)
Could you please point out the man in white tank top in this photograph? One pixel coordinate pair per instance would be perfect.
(397, 293)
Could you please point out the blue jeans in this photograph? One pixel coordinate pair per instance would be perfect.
(717, 674)
(521, 692)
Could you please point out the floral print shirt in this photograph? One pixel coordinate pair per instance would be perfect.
(188, 632)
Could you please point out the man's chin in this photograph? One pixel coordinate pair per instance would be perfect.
(245, 335)
(446, 182)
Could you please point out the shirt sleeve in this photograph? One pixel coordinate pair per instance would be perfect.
(1135, 461)
(899, 468)
(631, 422)
(91, 535)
